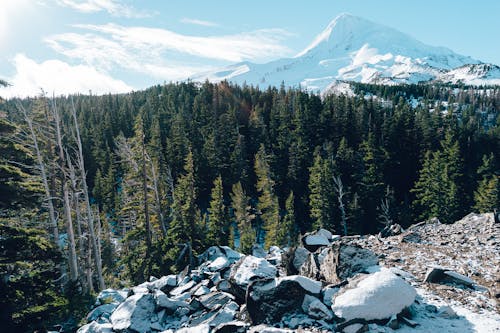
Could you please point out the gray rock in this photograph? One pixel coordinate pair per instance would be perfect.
(170, 304)
(269, 300)
(183, 288)
(102, 313)
(231, 327)
(165, 283)
(300, 257)
(315, 240)
(246, 270)
(224, 315)
(258, 251)
(215, 301)
(338, 262)
(111, 296)
(94, 327)
(134, 313)
(316, 309)
(328, 293)
(447, 312)
(443, 275)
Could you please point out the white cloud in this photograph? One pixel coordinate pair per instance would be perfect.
(113, 7)
(152, 51)
(58, 77)
(255, 45)
(198, 22)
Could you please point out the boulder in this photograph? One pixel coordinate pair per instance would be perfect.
(390, 230)
(316, 309)
(170, 304)
(202, 328)
(181, 289)
(102, 313)
(134, 314)
(226, 314)
(165, 283)
(258, 251)
(215, 300)
(268, 329)
(310, 267)
(375, 296)
(231, 327)
(218, 264)
(315, 240)
(300, 257)
(269, 300)
(111, 296)
(442, 275)
(338, 262)
(94, 327)
(328, 293)
(246, 270)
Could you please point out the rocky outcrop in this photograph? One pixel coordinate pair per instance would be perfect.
(339, 286)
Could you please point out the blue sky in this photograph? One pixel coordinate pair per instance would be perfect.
(66, 46)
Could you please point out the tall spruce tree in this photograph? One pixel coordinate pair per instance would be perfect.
(267, 206)
(184, 229)
(218, 225)
(487, 194)
(322, 198)
(244, 217)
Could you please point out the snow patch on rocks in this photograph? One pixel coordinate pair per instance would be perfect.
(378, 296)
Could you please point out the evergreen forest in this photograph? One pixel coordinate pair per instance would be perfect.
(106, 191)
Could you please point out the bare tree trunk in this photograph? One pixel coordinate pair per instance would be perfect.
(98, 232)
(81, 244)
(157, 193)
(72, 260)
(89, 267)
(81, 164)
(145, 198)
(339, 187)
(43, 174)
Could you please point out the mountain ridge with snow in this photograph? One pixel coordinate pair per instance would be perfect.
(351, 48)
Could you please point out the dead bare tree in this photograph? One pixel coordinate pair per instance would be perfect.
(72, 259)
(43, 173)
(339, 188)
(90, 218)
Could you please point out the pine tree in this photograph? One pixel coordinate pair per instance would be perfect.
(487, 194)
(287, 232)
(185, 216)
(372, 183)
(267, 206)
(321, 197)
(217, 218)
(438, 188)
(244, 218)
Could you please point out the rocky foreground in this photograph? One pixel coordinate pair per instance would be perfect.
(429, 278)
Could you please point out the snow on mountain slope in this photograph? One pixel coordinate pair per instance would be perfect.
(355, 49)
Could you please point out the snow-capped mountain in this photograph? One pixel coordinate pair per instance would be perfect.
(356, 49)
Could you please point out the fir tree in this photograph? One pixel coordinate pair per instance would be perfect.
(185, 216)
(287, 232)
(487, 194)
(217, 217)
(267, 206)
(244, 218)
(321, 197)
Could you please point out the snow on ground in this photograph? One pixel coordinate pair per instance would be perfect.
(466, 322)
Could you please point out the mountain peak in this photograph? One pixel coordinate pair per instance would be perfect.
(352, 48)
(339, 29)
